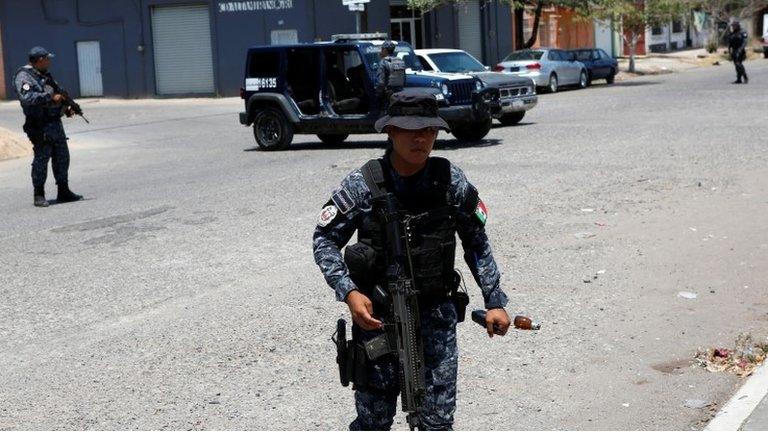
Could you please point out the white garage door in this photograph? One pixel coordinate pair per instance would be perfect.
(182, 45)
(470, 38)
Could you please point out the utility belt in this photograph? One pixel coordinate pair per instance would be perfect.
(355, 357)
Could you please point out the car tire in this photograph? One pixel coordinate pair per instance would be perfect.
(512, 119)
(332, 139)
(583, 79)
(471, 132)
(553, 84)
(611, 77)
(272, 130)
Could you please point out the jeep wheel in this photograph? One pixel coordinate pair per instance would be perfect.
(332, 139)
(272, 130)
(512, 118)
(471, 132)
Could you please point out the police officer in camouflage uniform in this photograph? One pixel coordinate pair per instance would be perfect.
(737, 47)
(420, 184)
(42, 105)
(390, 76)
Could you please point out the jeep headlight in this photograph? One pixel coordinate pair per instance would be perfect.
(444, 89)
(478, 85)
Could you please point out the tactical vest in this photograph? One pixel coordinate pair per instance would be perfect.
(396, 72)
(432, 226)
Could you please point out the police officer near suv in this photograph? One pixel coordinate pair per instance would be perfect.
(437, 193)
(737, 48)
(43, 103)
(390, 76)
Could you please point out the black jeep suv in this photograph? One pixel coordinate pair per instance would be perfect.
(327, 89)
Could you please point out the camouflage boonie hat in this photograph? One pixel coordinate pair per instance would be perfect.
(412, 110)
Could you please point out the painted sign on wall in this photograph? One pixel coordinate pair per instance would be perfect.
(254, 5)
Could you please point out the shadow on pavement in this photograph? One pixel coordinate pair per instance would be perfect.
(521, 124)
(635, 83)
(441, 144)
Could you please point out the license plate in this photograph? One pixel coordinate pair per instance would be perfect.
(514, 69)
(517, 103)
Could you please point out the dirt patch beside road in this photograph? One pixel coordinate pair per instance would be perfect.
(13, 146)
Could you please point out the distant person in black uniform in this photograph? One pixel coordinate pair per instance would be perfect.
(42, 101)
(390, 76)
(737, 48)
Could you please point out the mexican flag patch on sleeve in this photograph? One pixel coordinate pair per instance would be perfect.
(481, 212)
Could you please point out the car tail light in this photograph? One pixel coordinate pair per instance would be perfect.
(498, 68)
(533, 66)
(242, 93)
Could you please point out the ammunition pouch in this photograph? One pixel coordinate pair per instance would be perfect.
(361, 259)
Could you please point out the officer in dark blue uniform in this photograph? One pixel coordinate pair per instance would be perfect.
(737, 47)
(437, 190)
(41, 101)
(390, 76)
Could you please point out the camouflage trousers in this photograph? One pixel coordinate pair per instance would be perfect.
(377, 402)
(49, 144)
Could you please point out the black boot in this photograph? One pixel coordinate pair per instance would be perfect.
(65, 195)
(40, 200)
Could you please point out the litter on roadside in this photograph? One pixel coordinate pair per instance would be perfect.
(742, 360)
(584, 235)
(687, 295)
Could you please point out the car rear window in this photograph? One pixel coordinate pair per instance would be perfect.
(584, 55)
(524, 55)
(456, 62)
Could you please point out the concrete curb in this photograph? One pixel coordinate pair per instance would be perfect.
(738, 409)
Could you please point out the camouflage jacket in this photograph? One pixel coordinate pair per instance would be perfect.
(35, 91)
(350, 205)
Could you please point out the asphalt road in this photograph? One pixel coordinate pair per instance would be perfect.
(182, 293)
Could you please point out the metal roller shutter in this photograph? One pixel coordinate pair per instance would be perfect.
(182, 47)
(469, 26)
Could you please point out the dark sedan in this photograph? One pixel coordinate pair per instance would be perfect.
(599, 64)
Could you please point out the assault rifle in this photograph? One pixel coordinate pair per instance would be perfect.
(66, 100)
(405, 308)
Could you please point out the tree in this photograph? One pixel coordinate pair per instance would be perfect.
(517, 5)
(635, 16)
(723, 11)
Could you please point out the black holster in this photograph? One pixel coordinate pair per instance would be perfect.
(460, 298)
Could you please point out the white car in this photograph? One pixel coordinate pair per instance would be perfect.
(550, 68)
(517, 95)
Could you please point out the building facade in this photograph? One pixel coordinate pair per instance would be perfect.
(164, 48)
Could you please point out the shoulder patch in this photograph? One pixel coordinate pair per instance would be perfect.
(26, 87)
(327, 214)
(343, 201)
(481, 212)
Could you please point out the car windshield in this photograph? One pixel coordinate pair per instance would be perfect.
(583, 55)
(456, 62)
(404, 51)
(525, 55)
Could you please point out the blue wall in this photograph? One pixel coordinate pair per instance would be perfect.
(123, 27)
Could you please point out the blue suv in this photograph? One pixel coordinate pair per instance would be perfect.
(328, 89)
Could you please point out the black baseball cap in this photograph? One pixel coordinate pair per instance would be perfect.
(40, 52)
(412, 109)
